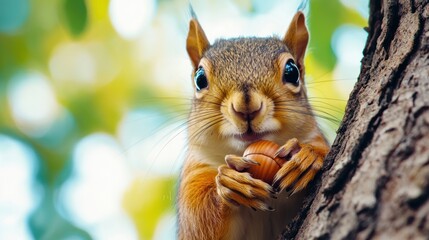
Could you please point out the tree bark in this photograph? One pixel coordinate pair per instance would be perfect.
(375, 182)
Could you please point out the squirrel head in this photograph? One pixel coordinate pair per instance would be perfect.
(248, 89)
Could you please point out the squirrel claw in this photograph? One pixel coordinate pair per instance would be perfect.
(239, 163)
(250, 161)
(296, 173)
(289, 149)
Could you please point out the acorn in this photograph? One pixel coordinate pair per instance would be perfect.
(264, 152)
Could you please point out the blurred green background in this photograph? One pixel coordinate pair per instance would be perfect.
(94, 96)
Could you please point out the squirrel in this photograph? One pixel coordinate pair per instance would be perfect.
(246, 89)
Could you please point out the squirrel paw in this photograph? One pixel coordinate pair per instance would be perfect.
(239, 188)
(303, 165)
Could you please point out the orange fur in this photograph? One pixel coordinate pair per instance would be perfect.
(202, 214)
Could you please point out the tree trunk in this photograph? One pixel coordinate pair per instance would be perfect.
(375, 182)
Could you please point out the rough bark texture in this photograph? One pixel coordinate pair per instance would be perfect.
(375, 183)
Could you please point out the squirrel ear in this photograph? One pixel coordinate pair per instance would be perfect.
(296, 37)
(196, 43)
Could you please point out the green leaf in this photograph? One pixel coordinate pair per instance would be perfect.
(76, 16)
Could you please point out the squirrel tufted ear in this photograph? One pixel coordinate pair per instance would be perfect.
(296, 37)
(196, 43)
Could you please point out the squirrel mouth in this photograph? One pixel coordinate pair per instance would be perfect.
(250, 136)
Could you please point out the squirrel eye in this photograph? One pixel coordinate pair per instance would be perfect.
(200, 79)
(291, 73)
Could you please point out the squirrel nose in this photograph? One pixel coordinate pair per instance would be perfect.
(247, 113)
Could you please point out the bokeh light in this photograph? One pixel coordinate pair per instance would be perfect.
(92, 195)
(33, 103)
(130, 17)
(13, 14)
(18, 190)
(73, 63)
(82, 65)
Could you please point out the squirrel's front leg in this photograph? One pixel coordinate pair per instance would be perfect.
(306, 159)
(207, 197)
(238, 188)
